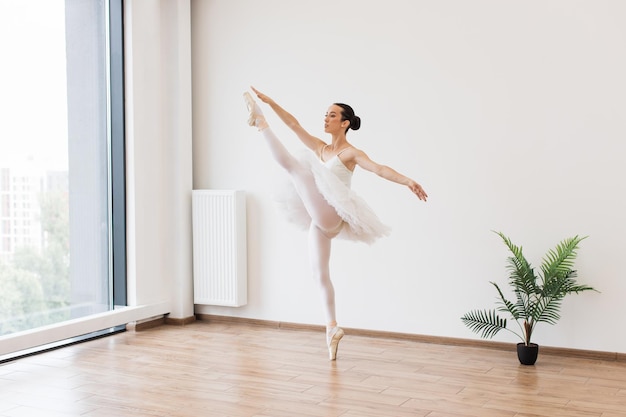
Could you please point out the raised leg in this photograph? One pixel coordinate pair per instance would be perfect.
(323, 215)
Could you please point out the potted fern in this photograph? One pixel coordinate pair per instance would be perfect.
(538, 296)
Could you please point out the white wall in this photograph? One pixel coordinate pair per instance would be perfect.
(509, 113)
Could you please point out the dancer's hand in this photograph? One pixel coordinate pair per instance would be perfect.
(261, 96)
(418, 190)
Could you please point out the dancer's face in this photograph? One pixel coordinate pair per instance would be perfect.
(332, 120)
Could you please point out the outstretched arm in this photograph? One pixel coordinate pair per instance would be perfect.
(388, 173)
(310, 141)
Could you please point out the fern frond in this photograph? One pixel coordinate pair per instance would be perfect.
(547, 310)
(507, 306)
(559, 261)
(553, 292)
(522, 275)
(570, 285)
(517, 264)
(485, 322)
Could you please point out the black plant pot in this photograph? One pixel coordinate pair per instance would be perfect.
(527, 355)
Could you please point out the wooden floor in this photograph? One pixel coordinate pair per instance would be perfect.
(242, 370)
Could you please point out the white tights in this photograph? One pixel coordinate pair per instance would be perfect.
(325, 222)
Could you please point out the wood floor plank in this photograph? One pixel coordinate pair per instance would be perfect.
(246, 370)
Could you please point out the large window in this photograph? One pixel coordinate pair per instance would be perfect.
(61, 161)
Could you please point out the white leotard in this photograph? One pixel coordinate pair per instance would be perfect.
(334, 181)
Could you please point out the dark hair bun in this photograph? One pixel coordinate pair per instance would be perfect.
(347, 113)
(355, 123)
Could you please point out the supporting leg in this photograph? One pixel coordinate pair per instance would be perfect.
(319, 255)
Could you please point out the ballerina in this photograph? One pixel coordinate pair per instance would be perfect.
(323, 201)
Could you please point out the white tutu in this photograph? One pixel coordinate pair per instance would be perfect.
(361, 223)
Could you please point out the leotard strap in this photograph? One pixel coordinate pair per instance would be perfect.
(338, 153)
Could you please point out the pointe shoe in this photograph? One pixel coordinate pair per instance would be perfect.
(333, 343)
(255, 117)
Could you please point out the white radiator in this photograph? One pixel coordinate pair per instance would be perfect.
(219, 247)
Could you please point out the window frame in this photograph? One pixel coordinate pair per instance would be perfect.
(118, 154)
(66, 333)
